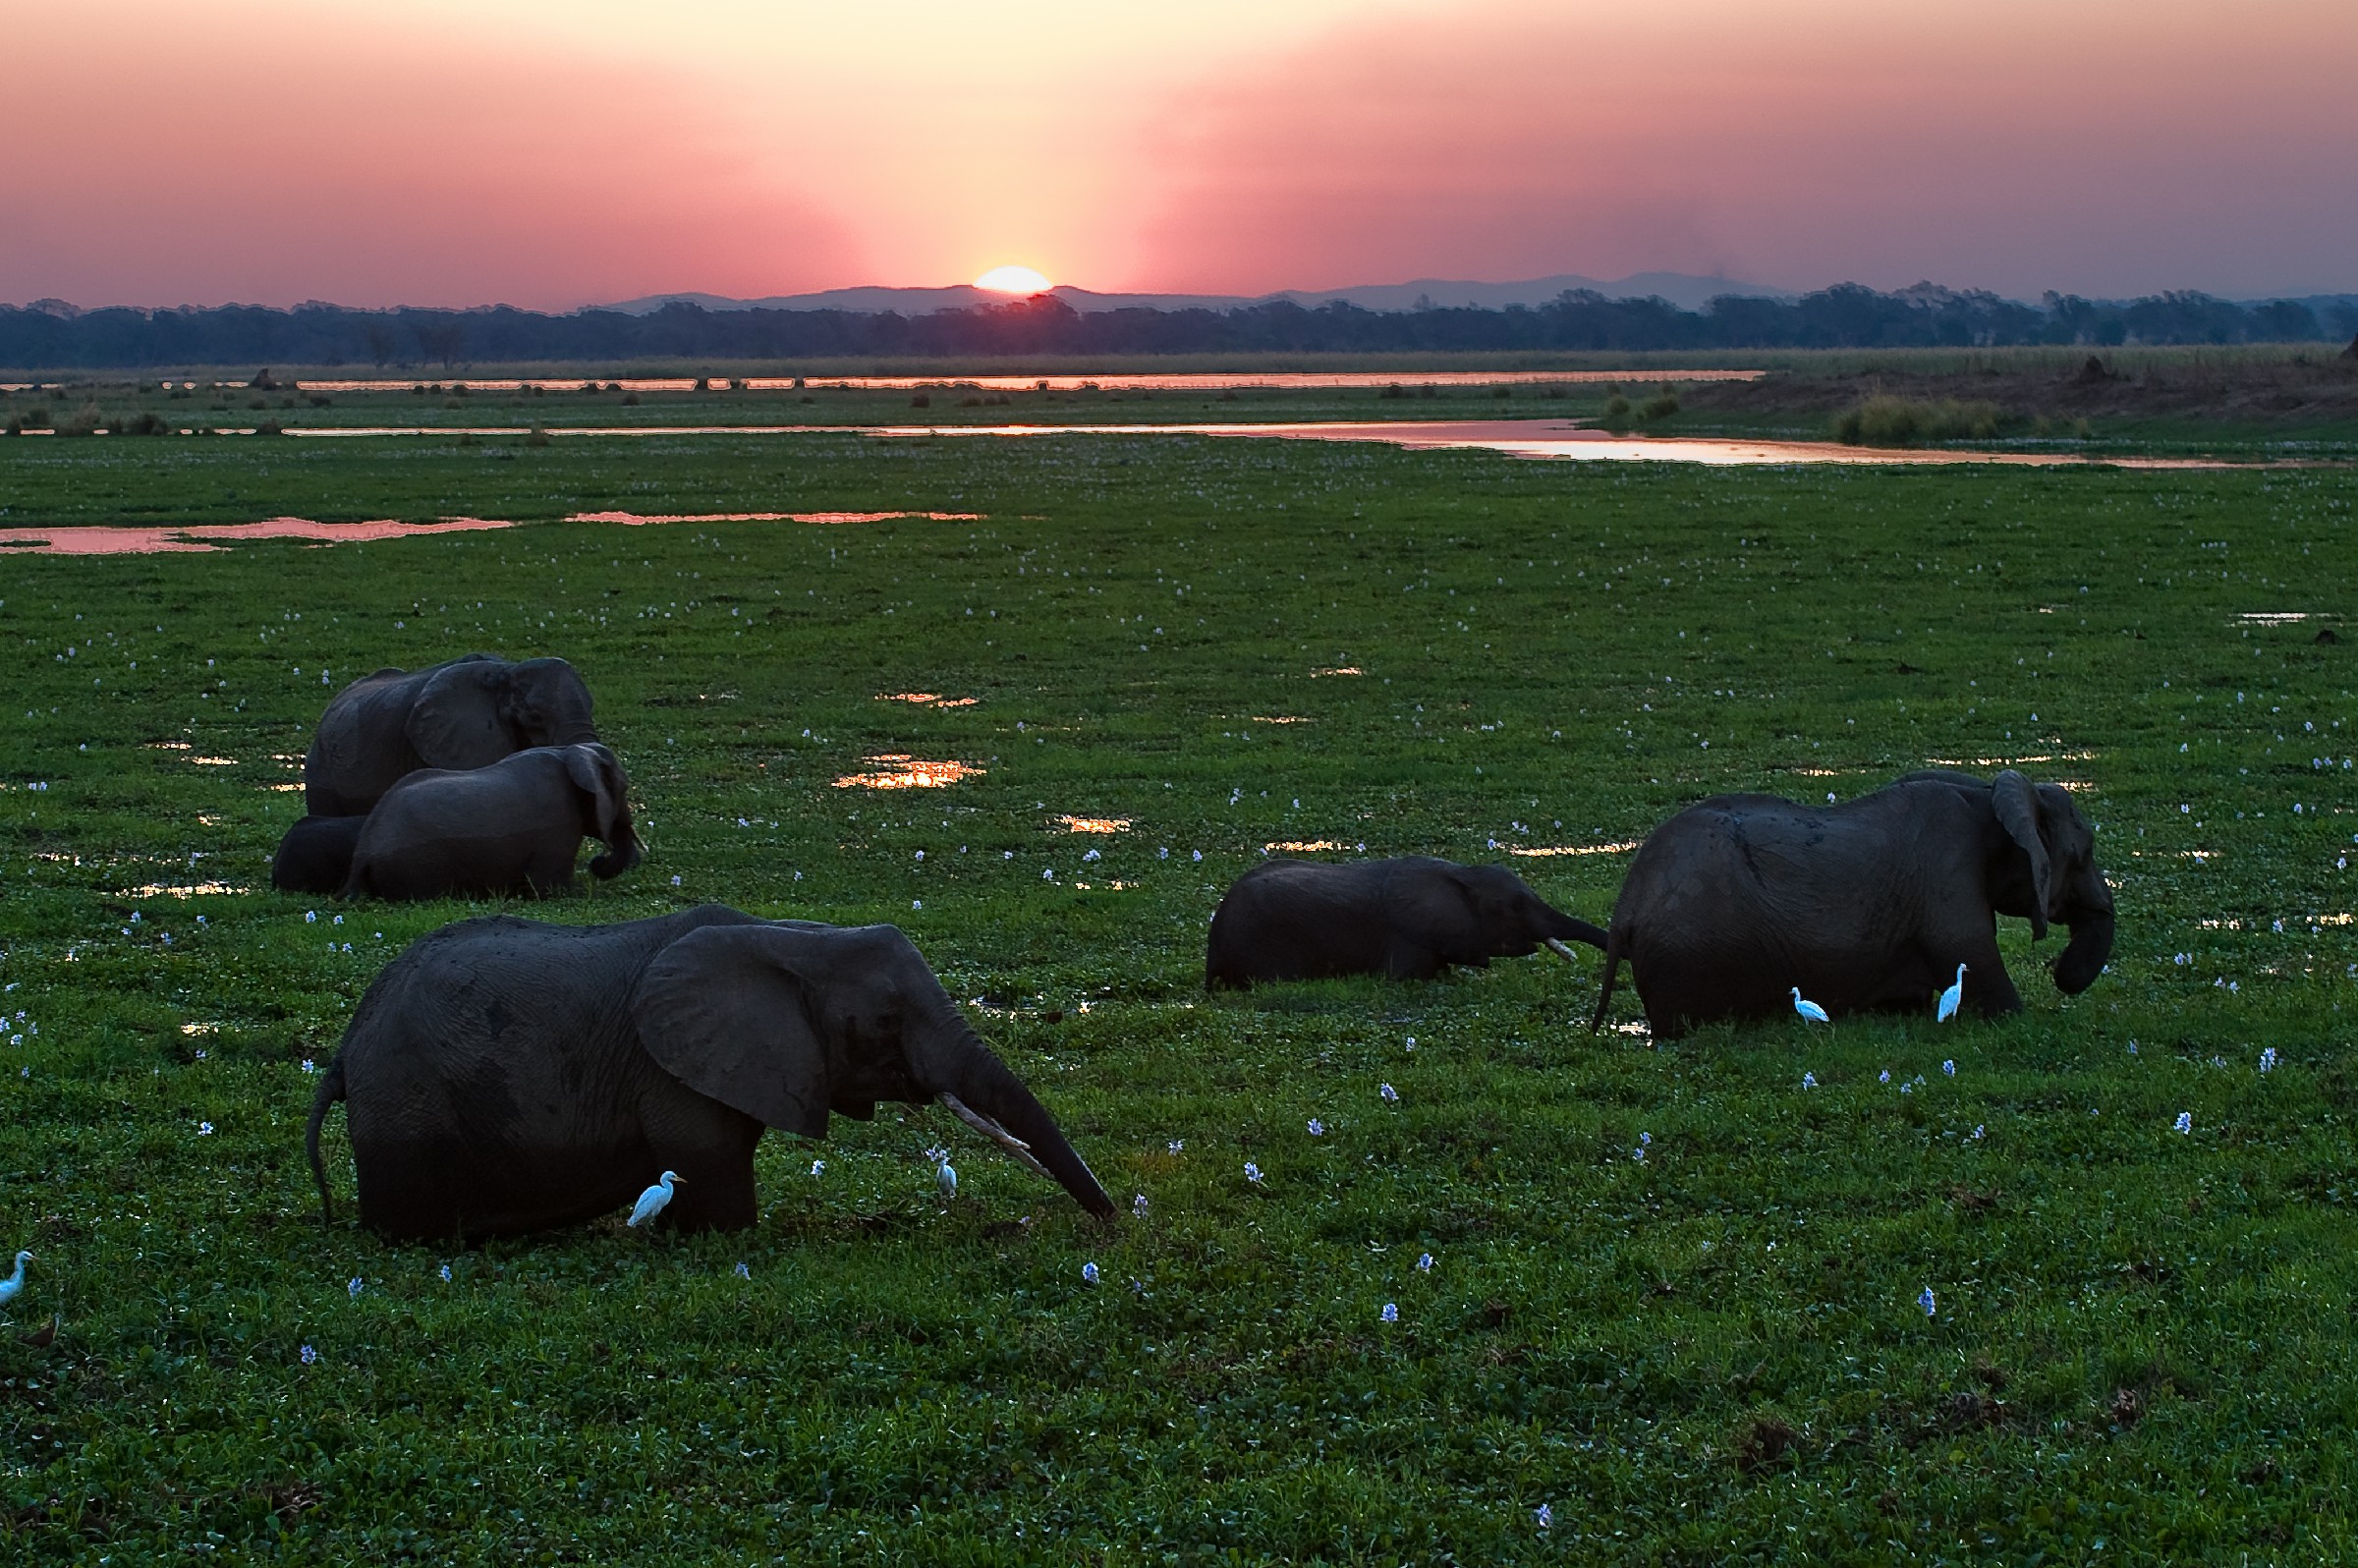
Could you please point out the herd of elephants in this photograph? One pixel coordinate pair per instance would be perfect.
(504, 1076)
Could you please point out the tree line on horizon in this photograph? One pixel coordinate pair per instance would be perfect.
(51, 335)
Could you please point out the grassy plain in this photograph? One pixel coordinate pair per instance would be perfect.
(2141, 1344)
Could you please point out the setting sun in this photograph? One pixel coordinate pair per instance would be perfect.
(1013, 280)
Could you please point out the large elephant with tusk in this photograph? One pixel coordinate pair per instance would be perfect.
(1409, 918)
(504, 1076)
(1869, 906)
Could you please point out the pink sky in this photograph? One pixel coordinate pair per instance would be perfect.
(555, 152)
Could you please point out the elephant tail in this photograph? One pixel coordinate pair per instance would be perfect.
(331, 1090)
(1613, 968)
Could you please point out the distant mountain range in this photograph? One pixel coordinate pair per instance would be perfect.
(1684, 290)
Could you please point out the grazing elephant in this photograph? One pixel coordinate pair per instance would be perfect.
(512, 827)
(1409, 918)
(504, 1076)
(315, 855)
(467, 713)
(1866, 906)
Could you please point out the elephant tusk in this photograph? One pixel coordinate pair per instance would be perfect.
(1560, 950)
(1017, 1149)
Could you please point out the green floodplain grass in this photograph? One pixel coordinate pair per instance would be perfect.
(2141, 1348)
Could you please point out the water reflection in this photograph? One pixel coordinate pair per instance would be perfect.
(1096, 824)
(194, 538)
(905, 772)
(642, 519)
(1191, 381)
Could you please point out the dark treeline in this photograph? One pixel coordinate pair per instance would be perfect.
(48, 335)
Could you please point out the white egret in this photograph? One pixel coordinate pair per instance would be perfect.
(1807, 1008)
(1953, 997)
(650, 1203)
(13, 1285)
(947, 1180)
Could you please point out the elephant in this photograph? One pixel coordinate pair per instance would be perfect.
(1409, 918)
(1866, 906)
(503, 1076)
(315, 855)
(512, 827)
(469, 712)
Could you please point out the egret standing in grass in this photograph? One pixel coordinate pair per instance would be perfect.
(650, 1203)
(1952, 998)
(1807, 1008)
(947, 1180)
(13, 1285)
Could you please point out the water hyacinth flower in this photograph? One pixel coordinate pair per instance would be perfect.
(311, 917)
(744, 1272)
(1089, 1274)
(1176, 1144)
(818, 1167)
(1137, 1205)
(1950, 1068)
(1391, 1311)
(2185, 1121)
(1977, 1129)
(1391, 1096)
(446, 1273)
(1544, 1515)
(1884, 1077)
(1318, 1129)
(204, 1129)
(354, 1288)
(309, 1355)
(1425, 1262)
(2268, 1060)
(310, 1065)
(1809, 1079)
(1926, 1302)
(1252, 1171)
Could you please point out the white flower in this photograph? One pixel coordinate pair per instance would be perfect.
(1089, 1272)
(1391, 1311)
(1093, 855)
(2268, 1060)
(1926, 1302)
(204, 1129)
(818, 1167)
(339, 919)
(309, 1355)
(1137, 1205)
(1252, 1171)
(1544, 1514)
(1950, 1068)
(1047, 873)
(675, 882)
(1177, 1144)
(1638, 1154)
(353, 1289)
(916, 903)
(744, 1272)
(1425, 1262)
(2185, 1122)
(1199, 854)
(1884, 1077)
(1391, 1096)
(1809, 1079)
(1318, 1129)
(1977, 1129)
(1645, 1139)
(310, 1065)
(311, 917)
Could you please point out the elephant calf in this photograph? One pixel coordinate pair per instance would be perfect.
(512, 827)
(1866, 906)
(315, 855)
(1409, 918)
(504, 1076)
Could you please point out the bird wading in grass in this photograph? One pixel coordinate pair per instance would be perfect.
(1952, 998)
(13, 1285)
(650, 1203)
(1808, 1009)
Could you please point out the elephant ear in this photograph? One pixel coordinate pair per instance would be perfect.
(596, 774)
(720, 1011)
(455, 720)
(2017, 806)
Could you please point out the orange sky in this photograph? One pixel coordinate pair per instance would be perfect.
(554, 152)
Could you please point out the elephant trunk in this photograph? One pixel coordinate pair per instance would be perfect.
(621, 856)
(2085, 955)
(979, 1080)
(1562, 927)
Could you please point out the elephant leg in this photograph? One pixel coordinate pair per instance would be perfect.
(1405, 958)
(711, 1146)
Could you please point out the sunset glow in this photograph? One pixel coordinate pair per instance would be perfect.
(1013, 280)
(555, 153)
